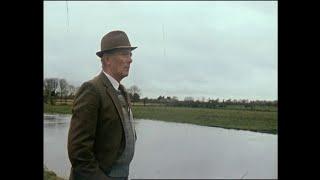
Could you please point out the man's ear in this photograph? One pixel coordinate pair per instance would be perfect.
(107, 60)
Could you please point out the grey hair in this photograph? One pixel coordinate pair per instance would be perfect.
(104, 56)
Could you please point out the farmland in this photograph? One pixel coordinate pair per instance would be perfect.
(232, 118)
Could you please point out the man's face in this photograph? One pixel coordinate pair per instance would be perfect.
(119, 63)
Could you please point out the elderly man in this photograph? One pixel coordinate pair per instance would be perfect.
(101, 139)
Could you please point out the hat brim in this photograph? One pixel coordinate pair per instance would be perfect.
(100, 53)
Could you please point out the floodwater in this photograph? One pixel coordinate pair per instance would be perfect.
(176, 150)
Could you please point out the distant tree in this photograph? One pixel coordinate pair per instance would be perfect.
(160, 98)
(145, 101)
(175, 98)
(46, 91)
(63, 88)
(134, 93)
(50, 86)
(134, 90)
(228, 102)
(189, 98)
(71, 91)
(275, 103)
(136, 97)
(45, 96)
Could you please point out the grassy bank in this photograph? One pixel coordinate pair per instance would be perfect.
(50, 175)
(259, 121)
(60, 109)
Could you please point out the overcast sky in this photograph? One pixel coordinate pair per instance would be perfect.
(224, 49)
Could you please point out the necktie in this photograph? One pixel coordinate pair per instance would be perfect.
(121, 88)
(122, 91)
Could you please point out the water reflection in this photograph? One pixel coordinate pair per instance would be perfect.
(173, 150)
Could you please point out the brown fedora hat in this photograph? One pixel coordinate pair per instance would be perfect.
(114, 40)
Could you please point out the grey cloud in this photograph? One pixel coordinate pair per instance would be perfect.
(220, 49)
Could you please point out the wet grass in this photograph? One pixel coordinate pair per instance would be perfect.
(259, 121)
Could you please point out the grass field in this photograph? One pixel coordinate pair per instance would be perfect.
(60, 109)
(235, 119)
(260, 121)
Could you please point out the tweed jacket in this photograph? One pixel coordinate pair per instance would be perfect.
(96, 135)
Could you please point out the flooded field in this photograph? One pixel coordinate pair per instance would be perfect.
(175, 150)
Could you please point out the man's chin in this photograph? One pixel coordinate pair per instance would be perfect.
(125, 75)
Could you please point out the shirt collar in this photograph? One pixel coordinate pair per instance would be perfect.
(114, 82)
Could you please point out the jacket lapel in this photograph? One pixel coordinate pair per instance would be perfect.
(110, 92)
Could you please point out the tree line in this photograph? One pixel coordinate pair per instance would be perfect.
(55, 88)
(189, 101)
(59, 89)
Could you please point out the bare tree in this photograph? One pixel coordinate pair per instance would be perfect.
(135, 93)
(50, 87)
(71, 90)
(189, 99)
(134, 90)
(175, 98)
(46, 91)
(52, 84)
(63, 88)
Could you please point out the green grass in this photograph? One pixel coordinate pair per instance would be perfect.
(50, 175)
(254, 108)
(260, 121)
(60, 109)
